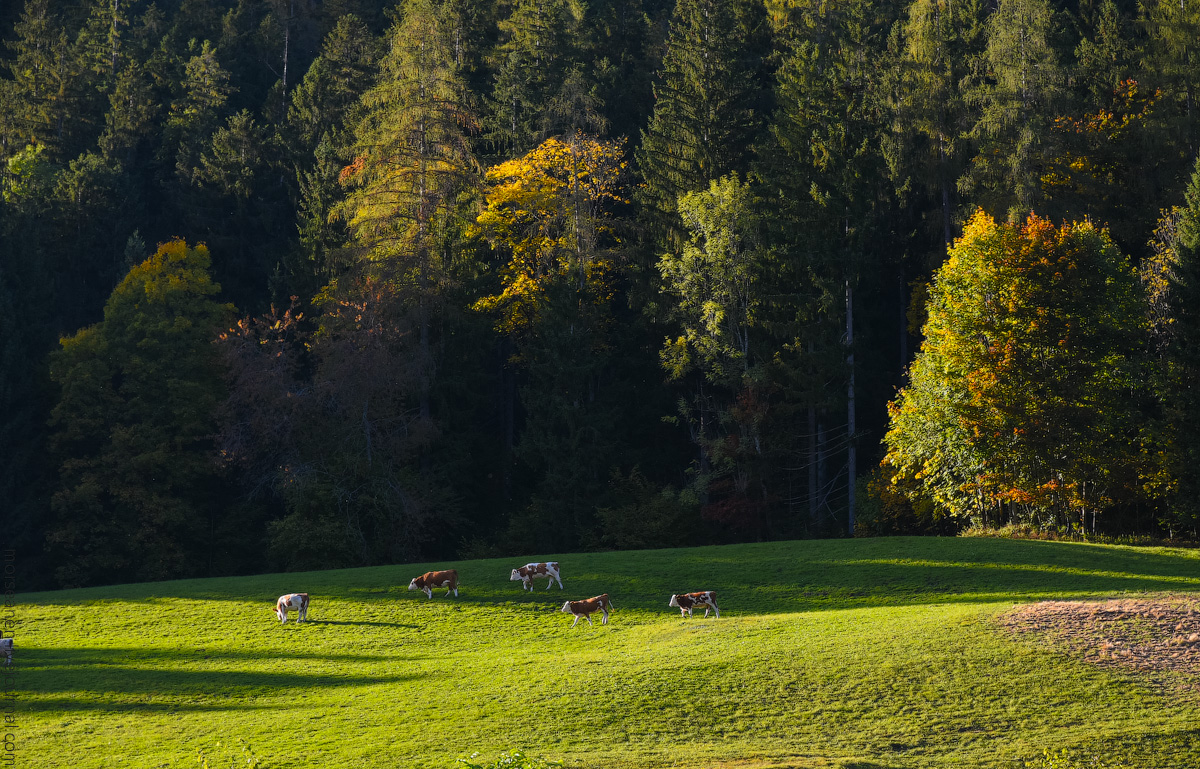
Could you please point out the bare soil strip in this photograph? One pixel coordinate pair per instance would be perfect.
(1152, 635)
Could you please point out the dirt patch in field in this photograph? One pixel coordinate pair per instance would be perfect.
(1148, 635)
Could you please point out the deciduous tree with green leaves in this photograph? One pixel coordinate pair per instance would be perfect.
(1022, 404)
(134, 424)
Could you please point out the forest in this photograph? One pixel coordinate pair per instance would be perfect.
(297, 284)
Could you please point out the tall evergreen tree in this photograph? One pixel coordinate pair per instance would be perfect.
(1172, 58)
(52, 85)
(1172, 279)
(709, 100)
(413, 159)
(539, 42)
(1015, 99)
(829, 179)
(937, 43)
(318, 134)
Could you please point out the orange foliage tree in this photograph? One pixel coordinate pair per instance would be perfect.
(1021, 405)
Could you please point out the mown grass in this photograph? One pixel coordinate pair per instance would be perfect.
(855, 654)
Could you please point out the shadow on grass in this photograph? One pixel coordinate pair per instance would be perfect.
(131, 679)
(763, 578)
(352, 622)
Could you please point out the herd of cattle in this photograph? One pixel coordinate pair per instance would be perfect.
(685, 602)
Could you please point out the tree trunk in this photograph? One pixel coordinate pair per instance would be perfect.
(851, 454)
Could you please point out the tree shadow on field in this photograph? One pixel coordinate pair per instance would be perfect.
(806, 576)
(133, 679)
(760, 578)
(369, 624)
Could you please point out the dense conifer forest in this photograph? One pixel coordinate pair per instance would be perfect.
(294, 284)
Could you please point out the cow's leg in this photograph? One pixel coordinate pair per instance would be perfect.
(588, 617)
(716, 611)
(558, 580)
(605, 620)
(576, 622)
(428, 592)
(549, 581)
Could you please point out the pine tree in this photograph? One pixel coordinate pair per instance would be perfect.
(1172, 278)
(937, 42)
(1015, 103)
(536, 52)
(709, 104)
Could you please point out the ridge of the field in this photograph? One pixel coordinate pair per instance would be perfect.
(863, 653)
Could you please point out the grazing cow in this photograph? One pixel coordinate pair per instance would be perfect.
(431, 579)
(685, 602)
(297, 601)
(6, 648)
(526, 573)
(585, 608)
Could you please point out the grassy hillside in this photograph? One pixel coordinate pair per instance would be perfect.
(858, 653)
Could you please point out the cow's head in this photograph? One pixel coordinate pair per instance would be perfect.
(516, 575)
(413, 585)
(566, 607)
(674, 601)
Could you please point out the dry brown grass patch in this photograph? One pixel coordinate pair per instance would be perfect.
(1157, 634)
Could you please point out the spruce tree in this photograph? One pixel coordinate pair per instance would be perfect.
(709, 104)
(1171, 57)
(1172, 278)
(1016, 97)
(538, 46)
(830, 183)
(318, 135)
(937, 42)
(51, 85)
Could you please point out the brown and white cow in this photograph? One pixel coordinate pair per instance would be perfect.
(526, 574)
(431, 579)
(585, 608)
(289, 602)
(685, 602)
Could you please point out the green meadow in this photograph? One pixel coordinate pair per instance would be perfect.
(861, 654)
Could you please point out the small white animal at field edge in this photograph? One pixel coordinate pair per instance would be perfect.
(526, 573)
(292, 601)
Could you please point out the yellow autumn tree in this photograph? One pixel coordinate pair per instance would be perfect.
(549, 211)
